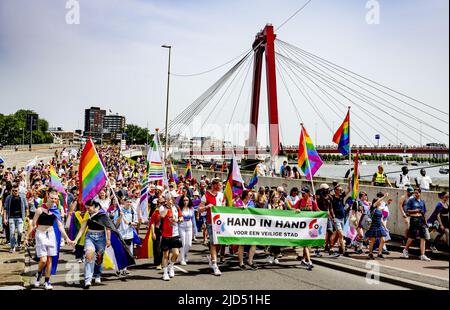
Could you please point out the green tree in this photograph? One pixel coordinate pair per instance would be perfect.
(136, 134)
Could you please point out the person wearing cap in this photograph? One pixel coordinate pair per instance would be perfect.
(378, 229)
(246, 203)
(324, 203)
(338, 205)
(380, 178)
(416, 209)
(402, 208)
(125, 219)
(213, 197)
(171, 217)
(403, 179)
(424, 181)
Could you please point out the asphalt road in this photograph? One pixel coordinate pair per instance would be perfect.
(197, 276)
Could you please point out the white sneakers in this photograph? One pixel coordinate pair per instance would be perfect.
(166, 274)
(216, 270)
(98, 280)
(425, 258)
(87, 284)
(183, 263)
(272, 260)
(48, 286)
(171, 270)
(405, 253)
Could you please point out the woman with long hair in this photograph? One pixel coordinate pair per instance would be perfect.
(46, 219)
(245, 198)
(186, 227)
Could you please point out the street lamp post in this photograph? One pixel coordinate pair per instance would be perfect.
(167, 103)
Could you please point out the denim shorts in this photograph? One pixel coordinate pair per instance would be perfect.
(339, 224)
(210, 233)
(95, 240)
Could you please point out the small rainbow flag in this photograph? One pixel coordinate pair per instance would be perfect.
(188, 174)
(56, 183)
(342, 136)
(92, 174)
(355, 180)
(253, 180)
(173, 175)
(309, 160)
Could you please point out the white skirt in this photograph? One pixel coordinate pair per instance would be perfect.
(45, 243)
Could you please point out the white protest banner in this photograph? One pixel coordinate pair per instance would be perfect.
(252, 226)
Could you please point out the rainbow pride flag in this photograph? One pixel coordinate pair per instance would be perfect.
(253, 180)
(342, 136)
(309, 160)
(188, 174)
(173, 175)
(156, 169)
(92, 174)
(56, 183)
(355, 180)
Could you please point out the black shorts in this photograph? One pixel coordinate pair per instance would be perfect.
(417, 227)
(171, 243)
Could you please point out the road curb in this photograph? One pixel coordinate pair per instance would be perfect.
(383, 277)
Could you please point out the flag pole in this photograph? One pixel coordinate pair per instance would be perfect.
(349, 141)
(307, 159)
(164, 160)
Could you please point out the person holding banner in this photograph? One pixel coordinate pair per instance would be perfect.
(275, 203)
(245, 198)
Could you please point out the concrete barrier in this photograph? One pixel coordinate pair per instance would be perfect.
(396, 224)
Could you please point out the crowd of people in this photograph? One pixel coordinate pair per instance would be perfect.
(33, 213)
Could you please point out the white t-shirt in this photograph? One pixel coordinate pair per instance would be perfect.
(105, 203)
(424, 182)
(403, 181)
(261, 170)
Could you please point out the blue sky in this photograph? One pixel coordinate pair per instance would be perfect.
(113, 59)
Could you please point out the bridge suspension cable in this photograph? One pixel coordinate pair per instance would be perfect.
(307, 75)
(365, 98)
(365, 81)
(358, 131)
